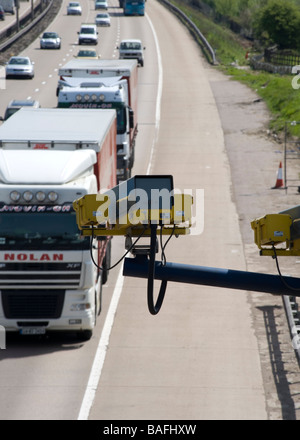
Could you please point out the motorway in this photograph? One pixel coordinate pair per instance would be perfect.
(190, 362)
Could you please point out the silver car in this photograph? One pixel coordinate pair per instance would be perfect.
(16, 104)
(19, 67)
(50, 40)
(102, 19)
(74, 8)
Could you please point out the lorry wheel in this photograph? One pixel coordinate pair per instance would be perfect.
(106, 263)
(126, 176)
(132, 157)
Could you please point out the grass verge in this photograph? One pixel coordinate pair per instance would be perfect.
(282, 99)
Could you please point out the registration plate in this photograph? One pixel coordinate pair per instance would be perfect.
(33, 331)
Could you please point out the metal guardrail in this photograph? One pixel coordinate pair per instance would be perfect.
(8, 42)
(193, 28)
(292, 315)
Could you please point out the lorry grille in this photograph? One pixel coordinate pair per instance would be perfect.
(37, 304)
(65, 275)
(131, 55)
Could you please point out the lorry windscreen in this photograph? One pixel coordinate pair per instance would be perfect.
(40, 230)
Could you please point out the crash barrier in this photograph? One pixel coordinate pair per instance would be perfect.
(11, 34)
(208, 50)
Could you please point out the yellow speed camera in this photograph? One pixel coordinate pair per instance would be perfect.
(133, 206)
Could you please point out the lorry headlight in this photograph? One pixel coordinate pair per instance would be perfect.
(52, 196)
(78, 97)
(94, 97)
(27, 196)
(86, 97)
(80, 307)
(15, 196)
(40, 196)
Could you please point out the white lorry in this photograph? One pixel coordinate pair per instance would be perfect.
(49, 158)
(87, 76)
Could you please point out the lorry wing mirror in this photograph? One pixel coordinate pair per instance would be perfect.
(131, 118)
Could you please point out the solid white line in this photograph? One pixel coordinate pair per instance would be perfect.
(99, 359)
(159, 94)
(100, 355)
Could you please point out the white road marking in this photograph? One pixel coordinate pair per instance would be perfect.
(159, 94)
(99, 359)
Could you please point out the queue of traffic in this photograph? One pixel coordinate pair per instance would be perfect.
(48, 281)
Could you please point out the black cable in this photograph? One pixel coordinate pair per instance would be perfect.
(163, 247)
(122, 258)
(279, 272)
(154, 308)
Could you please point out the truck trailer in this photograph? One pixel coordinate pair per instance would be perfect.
(109, 71)
(66, 129)
(48, 281)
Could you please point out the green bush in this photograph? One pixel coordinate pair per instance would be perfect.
(278, 23)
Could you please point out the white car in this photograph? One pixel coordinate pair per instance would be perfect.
(74, 8)
(88, 34)
(102, 19)
(50, 40)
(101, 4)
(19, 67)
(132, 49)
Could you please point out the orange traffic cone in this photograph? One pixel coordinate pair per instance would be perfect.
(279, 180)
